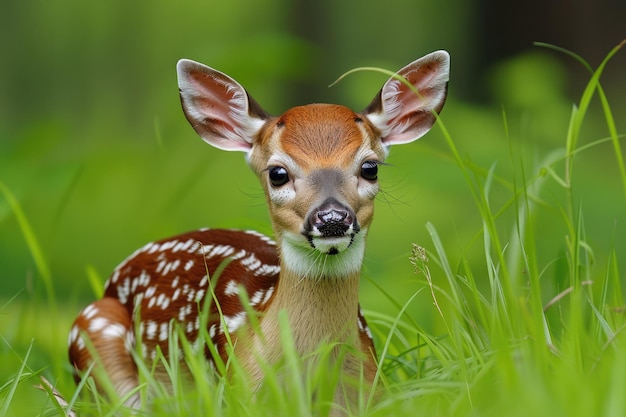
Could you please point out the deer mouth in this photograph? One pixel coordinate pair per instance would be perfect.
(331, 245)
(331, 227)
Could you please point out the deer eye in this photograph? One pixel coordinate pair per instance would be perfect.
(278, 176)
(369, 170)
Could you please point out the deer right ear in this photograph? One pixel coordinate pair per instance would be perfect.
(218, 107)
(404, 114)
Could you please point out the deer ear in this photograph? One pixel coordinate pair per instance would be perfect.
(218, 107)
(403, 115)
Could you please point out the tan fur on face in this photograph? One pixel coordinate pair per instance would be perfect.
(331, 143)
(302, 144)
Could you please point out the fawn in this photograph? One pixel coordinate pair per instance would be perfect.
(318, 165)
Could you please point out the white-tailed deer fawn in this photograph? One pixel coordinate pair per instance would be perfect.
(318, 165)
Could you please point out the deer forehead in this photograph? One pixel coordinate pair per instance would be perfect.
(321, 136)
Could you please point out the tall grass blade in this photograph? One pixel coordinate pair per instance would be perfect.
(95, 281)
(12, 387)
(593, 84)
(31, 241)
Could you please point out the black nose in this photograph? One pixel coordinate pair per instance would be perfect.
(332, 219)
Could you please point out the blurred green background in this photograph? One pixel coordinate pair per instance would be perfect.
(94, 146)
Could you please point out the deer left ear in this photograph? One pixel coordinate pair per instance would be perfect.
(402, 114)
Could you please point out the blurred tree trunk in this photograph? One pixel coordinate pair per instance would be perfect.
(587, 28)
(308, 21)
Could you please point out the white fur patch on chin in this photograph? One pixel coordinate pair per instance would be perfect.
(332, 245)
(298, 256)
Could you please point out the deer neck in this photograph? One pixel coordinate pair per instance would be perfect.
(318, 310)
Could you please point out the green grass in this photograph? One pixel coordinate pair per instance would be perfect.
(513, 326)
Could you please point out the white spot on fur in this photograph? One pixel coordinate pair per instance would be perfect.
(144, 279)
(168, 245)
(150, 292)
(134, 284)
(151, 329)
(368, 332)
(90, 311)
(113, 331)
(137, 301)
(123, 291)
(160, 266)
(362, 323)
(164, 329)
(97, 324)
(80, 343)
(251, 262)
(172, 266)
(130, 340)
(73, 336)
(210, 251)
(235, 322)
(232, 288)
(183, 312)
(268, 294)
(152, 247)
(267, 270)
(239, 255)
(188, 244)
(163, 301)
(257, 297)
(260, 236)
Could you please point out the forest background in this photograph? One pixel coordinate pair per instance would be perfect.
(97, 153)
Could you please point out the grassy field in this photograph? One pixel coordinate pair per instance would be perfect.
(495, 289)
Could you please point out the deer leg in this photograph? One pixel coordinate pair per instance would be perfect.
(103, 333)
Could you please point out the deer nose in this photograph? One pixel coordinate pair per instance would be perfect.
(332, 219)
